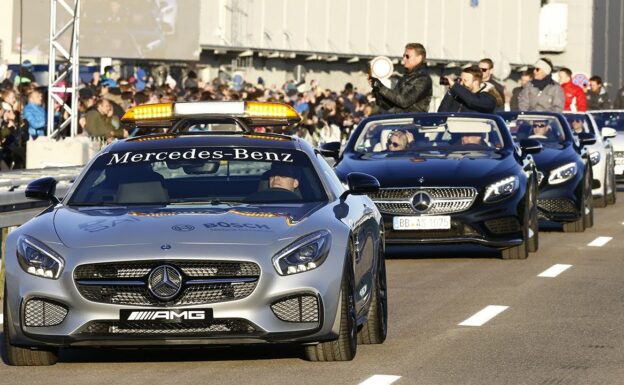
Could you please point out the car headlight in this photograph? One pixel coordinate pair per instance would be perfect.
(563, 174)
(304, 254)
(501, 189)
(594, 157)
(38, 259)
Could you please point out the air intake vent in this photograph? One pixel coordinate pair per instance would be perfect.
(41, 312)
(304, 308)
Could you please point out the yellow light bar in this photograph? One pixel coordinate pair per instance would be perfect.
(149, 111)
(267, 137)
(270, 110)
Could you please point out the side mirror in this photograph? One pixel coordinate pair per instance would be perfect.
(586, 139)
(330, 150)
(43, 189)
(530, 146)
(608, 132)
(360, 183)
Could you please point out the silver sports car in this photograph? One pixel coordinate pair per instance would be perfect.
(209, 233)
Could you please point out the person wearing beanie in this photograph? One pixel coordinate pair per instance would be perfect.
(542, 93)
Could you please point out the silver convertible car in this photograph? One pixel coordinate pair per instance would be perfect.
(207, 233)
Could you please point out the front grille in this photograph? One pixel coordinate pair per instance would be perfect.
(444, 200)
(303, 308)
(40, 312)
(204, 282)
(212, 328)
(503, 225)
(564, 206)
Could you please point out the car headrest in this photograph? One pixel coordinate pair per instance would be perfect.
(142, 192)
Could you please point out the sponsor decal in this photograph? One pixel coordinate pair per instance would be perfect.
(130, 157)
(104, 224)
(235, 226)
(183, 228)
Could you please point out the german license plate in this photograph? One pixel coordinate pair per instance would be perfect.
(422, 223)
(165, 315)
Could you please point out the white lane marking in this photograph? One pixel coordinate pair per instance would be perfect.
(554, 271)
(484, 315)
(380, 379)
(1, 319)
(600, 241)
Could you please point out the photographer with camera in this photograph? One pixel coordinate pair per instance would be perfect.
(468, 93)
(413, 91)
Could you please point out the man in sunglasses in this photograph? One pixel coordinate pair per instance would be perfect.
(540, 129)
(413, 91)
(542, 93)
(487, 67)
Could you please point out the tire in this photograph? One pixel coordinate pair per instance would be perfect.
(375, 329)
(601, 201)
(19, 356)
(521, 251)
(588, 217)
(533, 242)
(612, 196)
(345, 347)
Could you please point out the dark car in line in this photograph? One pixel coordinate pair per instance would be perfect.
(448, 179)
(565, 169)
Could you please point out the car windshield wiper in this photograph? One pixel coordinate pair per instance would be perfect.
(212, 202)
(94, 204)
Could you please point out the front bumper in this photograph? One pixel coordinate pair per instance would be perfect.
(561, 203)
(497, 225)
(253, 319)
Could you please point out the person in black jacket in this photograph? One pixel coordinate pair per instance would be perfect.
(469, 94)
(413, 91)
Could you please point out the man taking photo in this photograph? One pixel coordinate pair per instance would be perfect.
(469, 94)
(413, 91)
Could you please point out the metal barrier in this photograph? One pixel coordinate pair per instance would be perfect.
(15, 208)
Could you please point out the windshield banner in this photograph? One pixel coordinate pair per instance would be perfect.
(129, 157)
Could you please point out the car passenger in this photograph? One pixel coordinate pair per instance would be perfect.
(473, 138)
(577, 125)
(398, 141)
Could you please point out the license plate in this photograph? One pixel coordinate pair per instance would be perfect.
(422, 223)
(165, 315)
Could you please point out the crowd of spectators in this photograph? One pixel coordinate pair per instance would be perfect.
(328, 115)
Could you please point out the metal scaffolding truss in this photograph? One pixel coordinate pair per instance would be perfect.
(59, 84)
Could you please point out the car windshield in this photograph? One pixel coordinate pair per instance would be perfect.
(613, 119)
(539, 127)
(433, 133)
(204, 175)
(579, 123)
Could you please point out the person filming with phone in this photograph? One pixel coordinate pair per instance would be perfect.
(413, 91)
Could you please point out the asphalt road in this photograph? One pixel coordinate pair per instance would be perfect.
(566, 329)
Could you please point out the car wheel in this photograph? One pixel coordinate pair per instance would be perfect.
(533, 242)
(612, 196)
(375, 329)
(588, 212)
(521, 251)
(20, 356)
(345, 347)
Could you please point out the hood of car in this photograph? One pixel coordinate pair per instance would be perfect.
(618, 142)
(249, 225)
(431, 169)
(555, 155)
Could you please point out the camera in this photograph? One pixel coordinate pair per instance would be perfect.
(444, 81)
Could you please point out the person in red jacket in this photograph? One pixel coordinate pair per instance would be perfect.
(572, 92)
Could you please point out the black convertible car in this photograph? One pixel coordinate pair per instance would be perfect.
(565, 190)
(448, 178)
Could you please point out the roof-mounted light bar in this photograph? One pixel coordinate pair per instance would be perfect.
(262, 113)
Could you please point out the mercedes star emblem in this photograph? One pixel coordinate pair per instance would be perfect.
(165, 282)
(421, 202)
